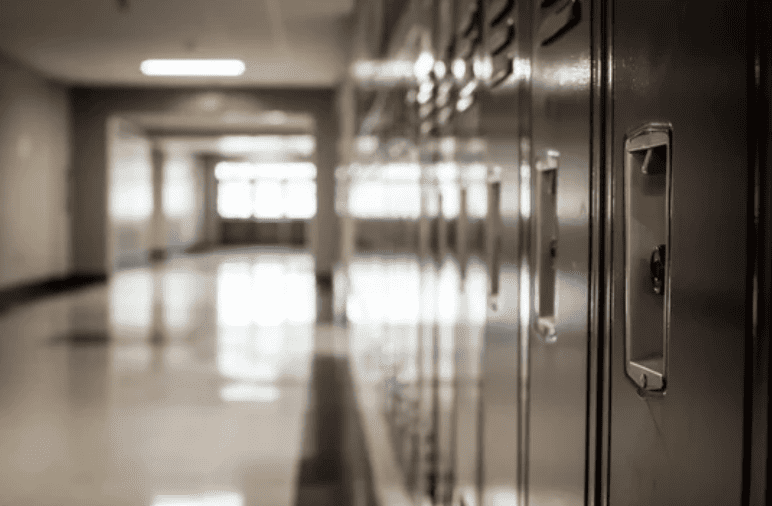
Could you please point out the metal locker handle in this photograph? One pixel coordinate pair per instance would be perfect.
(546, 246)
(647, 255)
(494, 229)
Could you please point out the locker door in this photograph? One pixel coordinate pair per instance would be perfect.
(680, 184)
(560, 224)
(499, 394)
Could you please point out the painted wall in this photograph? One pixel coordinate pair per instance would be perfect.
(183, 198)
(130, 195)
(93, 107)
(35, 158)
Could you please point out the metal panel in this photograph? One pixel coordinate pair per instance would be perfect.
(684, 64)
(559, 322)
(499, 424)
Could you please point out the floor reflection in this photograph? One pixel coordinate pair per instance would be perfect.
(194, 394)
(210, 381)
(416, 331)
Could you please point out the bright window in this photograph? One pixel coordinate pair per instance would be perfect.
(269, 199)
(266, 191)
(234, 199)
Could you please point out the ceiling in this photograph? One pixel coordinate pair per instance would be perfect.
(98, 42)
(261, 148)
(230, 122)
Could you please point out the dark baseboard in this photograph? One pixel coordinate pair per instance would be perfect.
(29, 292)
(200, 247)
(335, 467)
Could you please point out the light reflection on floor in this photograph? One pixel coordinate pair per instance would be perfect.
(210, 499)
(392, 298)
(198, 394)
(195, 397)
(411, 323)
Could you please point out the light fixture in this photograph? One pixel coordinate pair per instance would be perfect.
(193, 67)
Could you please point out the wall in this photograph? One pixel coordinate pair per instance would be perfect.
(92, 108)
(130, 195)
(34, 163)
(183, 198)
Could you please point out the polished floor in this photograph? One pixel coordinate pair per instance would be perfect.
(184, 384)
(210, 380)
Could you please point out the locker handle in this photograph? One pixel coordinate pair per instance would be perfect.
(494, 230)
(647, 255)
(546, 246)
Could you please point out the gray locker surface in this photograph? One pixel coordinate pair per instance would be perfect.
(684, 64)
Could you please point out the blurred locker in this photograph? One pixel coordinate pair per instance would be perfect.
(560, 253)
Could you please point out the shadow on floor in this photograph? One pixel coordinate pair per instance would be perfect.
(334, 469)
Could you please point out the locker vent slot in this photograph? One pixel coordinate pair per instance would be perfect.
(557, 20)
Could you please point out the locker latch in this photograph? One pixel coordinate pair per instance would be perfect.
(647, 255)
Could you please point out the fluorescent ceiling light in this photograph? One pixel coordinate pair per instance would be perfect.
(192, 67)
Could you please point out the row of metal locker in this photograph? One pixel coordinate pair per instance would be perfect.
(590, 176)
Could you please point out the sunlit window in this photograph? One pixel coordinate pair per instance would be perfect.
(266, 190)
(234, 199)
(269, 199)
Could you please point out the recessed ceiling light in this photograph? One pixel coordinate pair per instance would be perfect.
(195, 67)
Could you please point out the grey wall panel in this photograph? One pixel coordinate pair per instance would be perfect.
(35, 183)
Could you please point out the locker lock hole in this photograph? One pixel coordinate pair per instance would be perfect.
(657, 266)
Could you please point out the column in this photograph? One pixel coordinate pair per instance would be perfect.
(211, 217)
(158, 221)
(462, 228)
(443, 229)
(326, 223)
